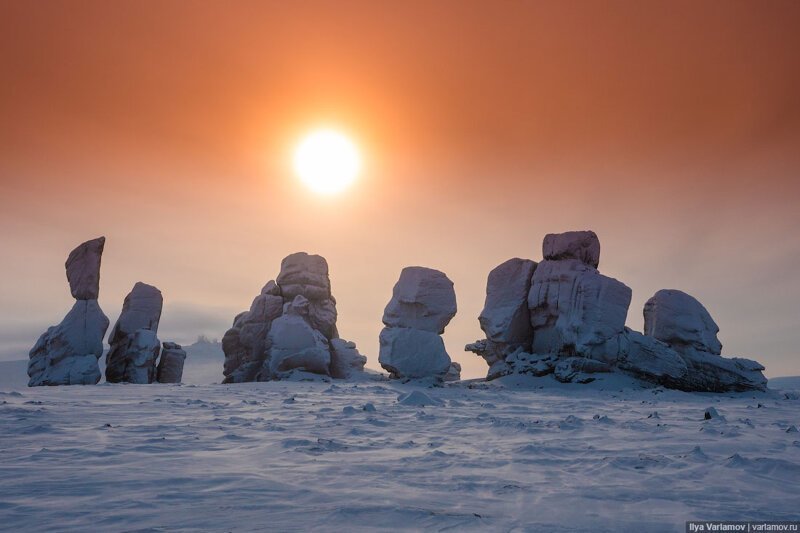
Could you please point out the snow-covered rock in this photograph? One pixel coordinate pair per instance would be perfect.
(576, 369)
(413, 353)
(345, 359)
(581, 245)
(140, 310)
(141, 356)
(574, 309)
(417, 398)
(505, 318)
(306, 275)
(133, 353)
(83, 269)
(423, 298)
(423, 303)
(170, 364)
(295, 344)
(454, 372)
(683, 323)
(67, 354)
(650, 359)
(678, 319)
(291, 325)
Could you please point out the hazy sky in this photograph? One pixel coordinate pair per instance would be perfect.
(672, 129)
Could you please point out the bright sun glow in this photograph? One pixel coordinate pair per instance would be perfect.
(327, 161)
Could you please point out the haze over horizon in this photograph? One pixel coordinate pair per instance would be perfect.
(671, 131)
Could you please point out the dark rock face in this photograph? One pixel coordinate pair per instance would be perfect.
(170, 365)
(83, 269)
(67, 354)
(577, 327)
(423, 303)
(291, 326)
(134, 346)
(583, 246)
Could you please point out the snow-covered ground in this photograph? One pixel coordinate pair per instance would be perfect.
(297, 456)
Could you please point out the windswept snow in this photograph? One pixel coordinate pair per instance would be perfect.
(299, 456)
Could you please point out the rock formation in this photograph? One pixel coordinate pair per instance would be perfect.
(170, 365)
(423, 303)
(134, 348)
(577, 327)
(290, 326)
(67, 354)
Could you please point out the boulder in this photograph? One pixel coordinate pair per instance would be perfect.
(678, 319)
(574, 309)
(454, 372)
(83, 269)
(649, 359)
(294, 344)
(505, 318)
(306, 275)
(583, 246)
(140, 310)
(413, 353)
(67, 354)
(345, 359)
(133, 359)
(170, 364)
(423, 299)
(683, 323)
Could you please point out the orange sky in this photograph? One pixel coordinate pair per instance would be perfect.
(670, 128)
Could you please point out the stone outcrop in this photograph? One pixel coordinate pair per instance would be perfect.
(291, 326)
(423, 303)
(67, 354)
(135, 347)
(170, 364)
(577, 326)
(505, 318)
(681, 322)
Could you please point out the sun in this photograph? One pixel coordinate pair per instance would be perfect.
(327, 161)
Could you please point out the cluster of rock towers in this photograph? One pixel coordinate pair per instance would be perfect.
(558, 317)
(69, 353)
(562, 317)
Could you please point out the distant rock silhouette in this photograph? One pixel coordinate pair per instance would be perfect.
(423, 303)
(577, 327)
(67, 354)
(290, 326)
(135, 347)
